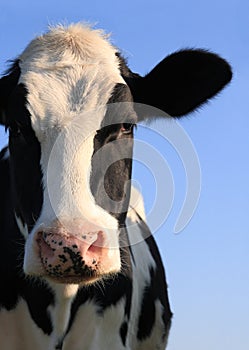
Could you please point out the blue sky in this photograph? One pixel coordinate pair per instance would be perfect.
(207, 263)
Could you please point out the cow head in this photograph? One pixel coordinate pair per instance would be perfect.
(68, 103)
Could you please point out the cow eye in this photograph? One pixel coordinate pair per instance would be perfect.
(126, 128)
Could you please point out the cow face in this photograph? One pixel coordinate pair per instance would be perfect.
(68, 104)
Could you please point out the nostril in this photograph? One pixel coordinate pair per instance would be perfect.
(41, 236)
(48, 237)
(45, 247)
(98, 243)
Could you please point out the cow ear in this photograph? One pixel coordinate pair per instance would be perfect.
(181, 82)
(7, 84)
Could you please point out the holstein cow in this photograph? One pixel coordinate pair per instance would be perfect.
(71, 277)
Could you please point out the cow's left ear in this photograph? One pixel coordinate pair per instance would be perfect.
(7, 84)
(181, 82)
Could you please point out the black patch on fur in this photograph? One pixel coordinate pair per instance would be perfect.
(123, 332)
(120, 93)
(14, 285)
(147, 314)
(156, 290)
(25, 154)
(59, 345)
(9, 240)
(116, 177)
(120, 107)
(7, 83)
(25, 170)
(38, 297)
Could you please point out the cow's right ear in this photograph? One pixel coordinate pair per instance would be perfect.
(7, 84)
(180, 83)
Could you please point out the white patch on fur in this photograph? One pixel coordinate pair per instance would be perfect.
(19, 331)
(22, 227)
(69, 73)
(60, 312)
(93, 331)
(136, 205)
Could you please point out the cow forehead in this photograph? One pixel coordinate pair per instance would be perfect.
(67, 72)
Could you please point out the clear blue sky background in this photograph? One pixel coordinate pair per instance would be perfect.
(208, 262)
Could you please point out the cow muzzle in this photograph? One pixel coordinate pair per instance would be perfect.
(82, 254)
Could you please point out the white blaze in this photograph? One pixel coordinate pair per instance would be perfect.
(69, 74)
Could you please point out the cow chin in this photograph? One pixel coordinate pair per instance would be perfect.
(65, 258)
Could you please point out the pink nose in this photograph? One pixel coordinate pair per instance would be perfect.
(71, 257)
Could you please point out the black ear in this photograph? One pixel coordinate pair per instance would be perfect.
(7, 85)
(181, 82)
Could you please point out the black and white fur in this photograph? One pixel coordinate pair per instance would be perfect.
(68, 104)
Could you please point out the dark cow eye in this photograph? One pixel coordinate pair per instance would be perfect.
(126, 128)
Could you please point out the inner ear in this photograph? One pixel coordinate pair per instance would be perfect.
(7, 84)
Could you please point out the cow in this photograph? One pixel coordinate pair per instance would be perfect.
(79, 267)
